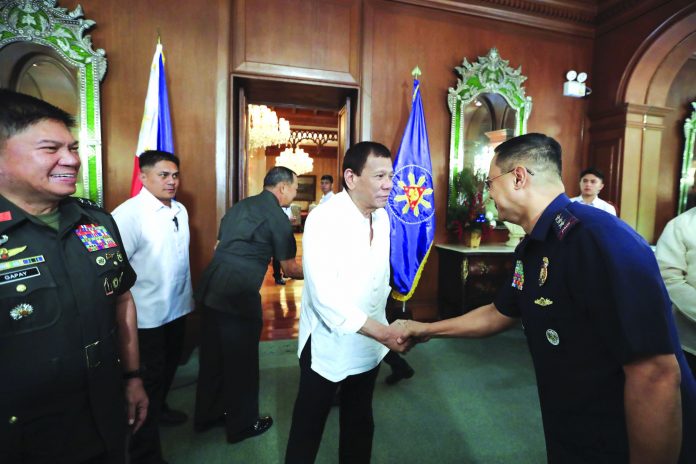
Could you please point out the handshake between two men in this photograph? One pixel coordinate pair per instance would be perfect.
(404, 334)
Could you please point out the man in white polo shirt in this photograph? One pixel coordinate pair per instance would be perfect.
(326, 185)
(591, 183)
(155, 232)
(343, 328)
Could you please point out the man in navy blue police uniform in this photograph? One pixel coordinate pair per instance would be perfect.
(68, 336)
(613, 384)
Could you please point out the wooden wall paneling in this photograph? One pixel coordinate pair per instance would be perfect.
(606, 151)
(127, 31)
(681, 94)
(638, 58)
(223, 132)
(620, 46)
(644, 126)
(305, 39)
(437, 41)
(566, 16)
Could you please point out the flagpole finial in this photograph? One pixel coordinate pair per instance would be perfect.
(416, 72)
(159, 37)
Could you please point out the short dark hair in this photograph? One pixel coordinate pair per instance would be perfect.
(356, 157)
(149, 158)
(19, 111)
(277, 175)
(327, 177)
(594, 171)
(539, 150)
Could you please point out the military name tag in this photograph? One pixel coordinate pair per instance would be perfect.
(518, 277)
(14, 276)
(22, 262)
(95, 237)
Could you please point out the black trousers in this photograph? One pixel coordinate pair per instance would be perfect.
(228, 376)
(312, 406)
(160, 353)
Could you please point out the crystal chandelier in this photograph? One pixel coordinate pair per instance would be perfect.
(298, 160)
(265, 129)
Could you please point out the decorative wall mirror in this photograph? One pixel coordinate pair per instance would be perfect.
(488, 106)
(687, 195)
(44, 53)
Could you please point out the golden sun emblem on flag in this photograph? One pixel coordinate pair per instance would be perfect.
(413, 194)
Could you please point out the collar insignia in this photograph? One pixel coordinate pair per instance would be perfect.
(563, 222)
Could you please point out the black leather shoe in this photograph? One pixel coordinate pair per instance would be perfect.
(398, 375)
(260, 426)
(280, 281)
(172, 417)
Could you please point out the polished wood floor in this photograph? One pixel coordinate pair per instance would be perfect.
(281, 304)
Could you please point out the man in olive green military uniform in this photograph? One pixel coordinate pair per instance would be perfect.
(69, 357)
(251, 232)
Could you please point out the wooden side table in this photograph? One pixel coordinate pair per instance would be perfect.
(470, 277)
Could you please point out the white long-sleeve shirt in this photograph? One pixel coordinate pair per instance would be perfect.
(676, 256)
(158, 249)
(346, 281)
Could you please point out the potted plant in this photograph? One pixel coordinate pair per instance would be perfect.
(469, 213)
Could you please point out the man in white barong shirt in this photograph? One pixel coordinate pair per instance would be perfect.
(155, 232)
(343, 332)
(676, 256)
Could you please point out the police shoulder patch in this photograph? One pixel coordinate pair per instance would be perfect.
(563, 222)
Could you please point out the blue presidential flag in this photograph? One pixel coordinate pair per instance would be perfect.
(411, 206)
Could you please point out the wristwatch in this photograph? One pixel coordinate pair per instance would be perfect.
(133, 374)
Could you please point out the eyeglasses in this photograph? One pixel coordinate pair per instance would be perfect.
(489, 181)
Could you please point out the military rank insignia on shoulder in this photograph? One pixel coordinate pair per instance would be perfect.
(563, 222)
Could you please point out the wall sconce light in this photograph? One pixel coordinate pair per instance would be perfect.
(575, 85)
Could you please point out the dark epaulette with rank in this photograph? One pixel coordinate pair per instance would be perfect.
(563, 222)
(88, 203)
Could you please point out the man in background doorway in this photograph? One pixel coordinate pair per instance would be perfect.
(591, 183)
(155, 231)
(326, 185)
